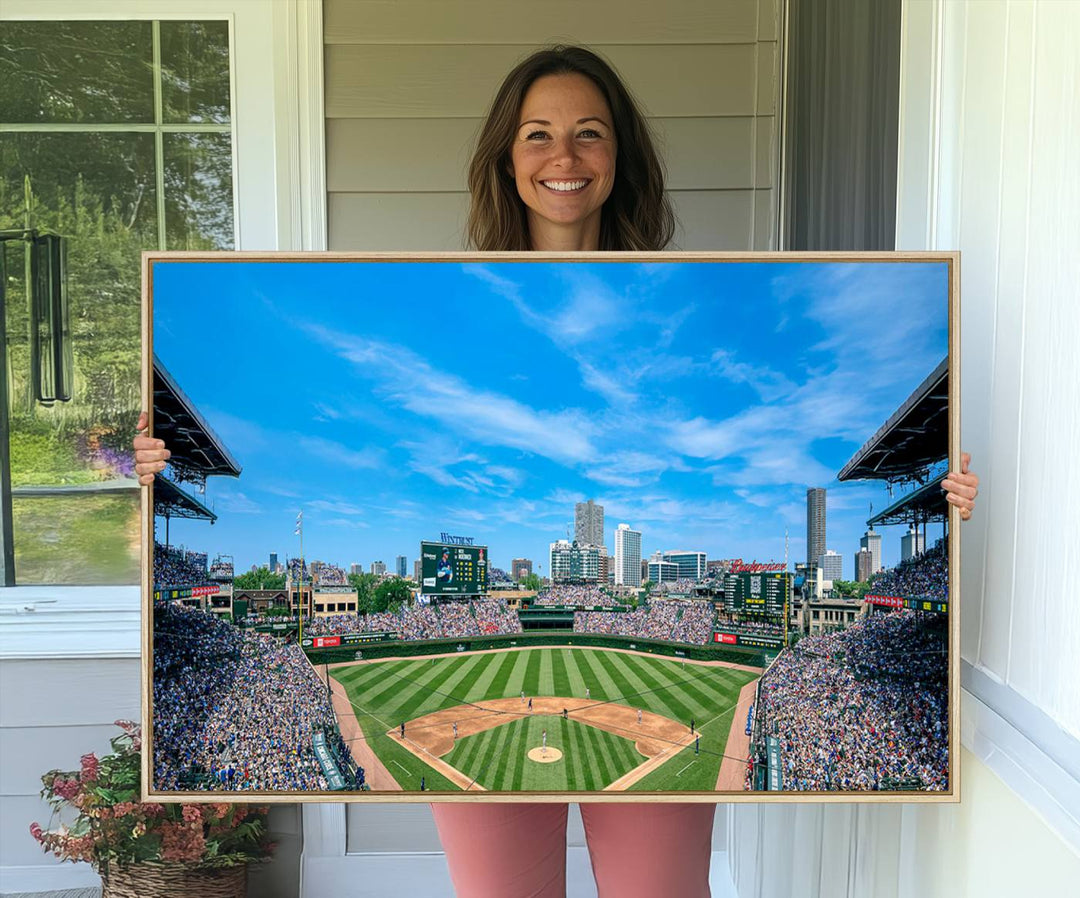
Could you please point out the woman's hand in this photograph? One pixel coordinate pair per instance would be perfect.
(962, 488)
(150, 454)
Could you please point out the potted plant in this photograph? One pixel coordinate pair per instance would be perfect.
(148, 848)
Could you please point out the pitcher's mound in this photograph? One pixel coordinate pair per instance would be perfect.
(547, 756)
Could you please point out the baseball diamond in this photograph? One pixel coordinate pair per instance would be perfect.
(602, 745)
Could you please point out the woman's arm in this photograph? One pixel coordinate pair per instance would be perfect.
(150, 454)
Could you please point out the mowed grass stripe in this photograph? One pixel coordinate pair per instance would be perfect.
(691, 701)
(580, 776)
(396, 677)
(595, 760)
(515, 682)
(630, 687)
(516, 769)
(546, 680)
(656, 686)
(503, 749)
(466, 689)
(488, 756)
(573, 673)
(532, 672)
(493, 682)
(597, 678)
(559, 663)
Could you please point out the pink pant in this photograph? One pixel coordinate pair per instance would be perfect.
(519, 850)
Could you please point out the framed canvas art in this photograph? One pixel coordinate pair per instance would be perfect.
(590, 527)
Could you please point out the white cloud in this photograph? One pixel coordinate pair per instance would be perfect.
(337, 454)
(487, 417)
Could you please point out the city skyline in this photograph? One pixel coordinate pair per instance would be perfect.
(697, 402)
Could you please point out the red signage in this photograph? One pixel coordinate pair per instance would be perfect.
(324, 642)
(738, 566)
(885, 601)
(203, 590)
(729, 638)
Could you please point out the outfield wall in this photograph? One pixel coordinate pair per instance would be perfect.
(398, 648)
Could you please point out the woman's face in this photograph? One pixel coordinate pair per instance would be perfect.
(563, 160)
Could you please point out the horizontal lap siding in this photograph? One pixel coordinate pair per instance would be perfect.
(52, 712)
(525, 22)
(408, 83)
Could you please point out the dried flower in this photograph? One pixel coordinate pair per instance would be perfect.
(90, 766)
(112, 825)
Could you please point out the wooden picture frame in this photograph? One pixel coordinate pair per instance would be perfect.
(910, 301)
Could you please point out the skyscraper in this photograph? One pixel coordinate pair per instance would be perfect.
(872, 540)
(911, 544)
(815, 524)
(691, 564)
(520, 568)
(378, 568)
(627, 556)
(864, 565)
(273, 562)
(831, 565)
(417, 566)
(589, 523)
(402, 566)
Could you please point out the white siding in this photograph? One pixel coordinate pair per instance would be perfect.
(408, 82)
(989, 142)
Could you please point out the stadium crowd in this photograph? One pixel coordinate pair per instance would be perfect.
(683, 586)
(447, 620)
(233, 710)
(855, 707)
(674, 621)
(173, 567)
(924, 575)
(568, 594)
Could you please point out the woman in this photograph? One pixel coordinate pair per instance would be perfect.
(565, 162)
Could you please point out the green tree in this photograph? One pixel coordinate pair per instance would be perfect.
(531, 581)
(364, 584)
(850, 589)
(392, 595)
(261, 578)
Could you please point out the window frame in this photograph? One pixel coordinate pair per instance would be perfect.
(276, 65)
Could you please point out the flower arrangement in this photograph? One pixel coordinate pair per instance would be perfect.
(113, 828)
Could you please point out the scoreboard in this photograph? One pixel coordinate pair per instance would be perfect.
(759, 593)
(449, 570)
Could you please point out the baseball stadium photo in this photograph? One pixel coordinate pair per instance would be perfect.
(435, 526)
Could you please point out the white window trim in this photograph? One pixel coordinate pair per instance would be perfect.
(1015, 738)
(280, 198)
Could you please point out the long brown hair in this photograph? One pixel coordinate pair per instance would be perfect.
(637, 214)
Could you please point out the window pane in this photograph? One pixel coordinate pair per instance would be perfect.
(76, 72)
(198, 191)
(195, 71)
(80, 540)
(97, 190)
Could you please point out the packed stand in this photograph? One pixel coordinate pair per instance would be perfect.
(855, 707)
(565, 594)
(671, 621)
(233, 710)
(925, 575)
(492, 617)
(172, 568)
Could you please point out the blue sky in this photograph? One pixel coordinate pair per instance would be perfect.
(395, 401)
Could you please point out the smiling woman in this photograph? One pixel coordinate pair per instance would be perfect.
(562, 117)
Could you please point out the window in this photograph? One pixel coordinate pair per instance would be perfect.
(117, 136)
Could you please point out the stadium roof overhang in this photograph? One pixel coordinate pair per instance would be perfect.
(915, 437)
(197, 452)
(172, 502)
(923, 505)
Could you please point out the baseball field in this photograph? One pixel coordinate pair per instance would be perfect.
(539, 719)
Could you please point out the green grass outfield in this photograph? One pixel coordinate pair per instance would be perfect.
(385, 693)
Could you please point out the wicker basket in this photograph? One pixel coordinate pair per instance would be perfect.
(174, 881)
